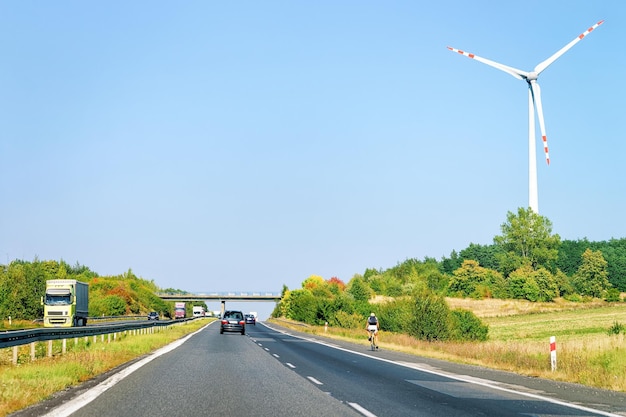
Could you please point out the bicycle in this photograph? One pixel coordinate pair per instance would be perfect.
(373, 336)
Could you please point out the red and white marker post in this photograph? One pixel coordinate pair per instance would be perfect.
(553, 352)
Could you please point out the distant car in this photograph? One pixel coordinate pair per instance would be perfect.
(233, 321)
(153, 315)
(250, 319)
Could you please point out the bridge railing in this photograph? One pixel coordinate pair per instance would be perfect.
(227, 294)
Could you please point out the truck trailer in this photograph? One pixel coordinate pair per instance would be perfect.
(179, 310)
(66, 303)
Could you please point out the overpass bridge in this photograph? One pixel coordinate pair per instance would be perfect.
(223, 297)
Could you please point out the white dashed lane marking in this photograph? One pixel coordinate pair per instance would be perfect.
(315, 381)
(361, 410)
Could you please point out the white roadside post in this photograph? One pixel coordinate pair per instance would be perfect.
(553, 352)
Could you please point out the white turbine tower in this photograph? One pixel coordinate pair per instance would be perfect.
(534, 101)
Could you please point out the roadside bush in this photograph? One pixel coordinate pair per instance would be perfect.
(575, 298)
(431, 318)
(613, 295)
(395, 316)
(347, 320)
(467, 326)
(115, 304)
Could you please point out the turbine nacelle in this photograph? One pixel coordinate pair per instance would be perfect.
(532, 76)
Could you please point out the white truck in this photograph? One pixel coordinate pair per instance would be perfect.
(198, 311)
(66, 303)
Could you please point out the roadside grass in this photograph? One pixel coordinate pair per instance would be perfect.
(30, 382)
(519, 340)
(18, 324)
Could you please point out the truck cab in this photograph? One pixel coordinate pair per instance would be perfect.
(65, 303)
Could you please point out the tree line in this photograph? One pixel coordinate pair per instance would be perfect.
(23, 283)
(527, 261)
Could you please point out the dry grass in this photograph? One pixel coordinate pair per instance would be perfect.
(519, 336)
(491, 307)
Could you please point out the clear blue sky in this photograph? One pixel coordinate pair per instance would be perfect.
(215, 146)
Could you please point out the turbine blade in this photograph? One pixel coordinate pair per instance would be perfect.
(537, 99)
(543, 65)
(520, 75)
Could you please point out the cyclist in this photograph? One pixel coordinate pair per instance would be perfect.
(372, 327)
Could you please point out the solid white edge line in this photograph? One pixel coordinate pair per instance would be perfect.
(458, 378)
(362, 410)
(82, 400)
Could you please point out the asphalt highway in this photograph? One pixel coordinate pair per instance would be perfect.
(393, 384)
(272, 371)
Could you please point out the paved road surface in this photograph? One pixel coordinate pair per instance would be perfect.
(275, 372)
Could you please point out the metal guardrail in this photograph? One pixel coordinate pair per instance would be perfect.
(24, 337)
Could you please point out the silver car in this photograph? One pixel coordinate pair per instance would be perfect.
(233, 321)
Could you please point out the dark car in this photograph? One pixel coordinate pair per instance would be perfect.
(233, 321)
(250, 319)
(153, 315)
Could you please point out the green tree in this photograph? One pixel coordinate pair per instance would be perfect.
(485, 255)
(358, 288)
(302, 307)
(449, 265)
(592, 276)
(614, 251)
(336, 286)
(548, 288)
(563, 283)
(522, 285)
(570, 255)
(472, 280)
(312, 282)
(284, 304)
(526, 239)
(21, 286)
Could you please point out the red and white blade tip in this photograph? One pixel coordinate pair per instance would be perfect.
(470, 55)
(588, 31)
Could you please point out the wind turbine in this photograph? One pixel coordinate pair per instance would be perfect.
(534, 101)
